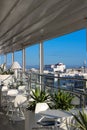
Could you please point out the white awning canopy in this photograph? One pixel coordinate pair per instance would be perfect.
(27, 22)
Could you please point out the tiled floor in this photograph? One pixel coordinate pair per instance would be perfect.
(5, 124)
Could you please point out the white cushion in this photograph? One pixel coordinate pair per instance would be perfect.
(4, 88)
(12, 92)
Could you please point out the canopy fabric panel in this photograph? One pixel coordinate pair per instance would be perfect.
(27, 22)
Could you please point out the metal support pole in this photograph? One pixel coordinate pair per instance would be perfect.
(12, 57)
(86, 45)
(5, 60)
(23, 59)
(41, 58)
(2, 58)
(41, 62)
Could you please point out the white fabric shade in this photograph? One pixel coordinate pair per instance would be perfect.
(27, 22)
(15, 65)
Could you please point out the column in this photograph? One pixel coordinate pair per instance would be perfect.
(5, 58)
(23, 59)
(41, 58)
(41, 63)
(12, 57)
(5, 61)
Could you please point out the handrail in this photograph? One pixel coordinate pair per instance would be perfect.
(34, 80)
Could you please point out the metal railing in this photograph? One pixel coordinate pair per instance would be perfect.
(74, 85)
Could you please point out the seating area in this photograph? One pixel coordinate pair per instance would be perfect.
(6, 124)
(13, 102)
(15, 97)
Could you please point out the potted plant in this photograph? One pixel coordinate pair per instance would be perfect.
(4, 71)
(61, 100)
(80, 120)
(37, 96)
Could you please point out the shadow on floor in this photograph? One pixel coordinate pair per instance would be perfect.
(6, 124)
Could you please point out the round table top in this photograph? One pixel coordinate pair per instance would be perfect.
(12, 92)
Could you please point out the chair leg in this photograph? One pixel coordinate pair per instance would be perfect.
(10, 110)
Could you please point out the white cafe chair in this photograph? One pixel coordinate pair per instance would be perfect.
(4, 91)
(22, 90)
(46, 121)
(20, 103)
(11, 94)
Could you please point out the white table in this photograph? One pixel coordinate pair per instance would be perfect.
(56, 113)
(11, 94)
(62, 116)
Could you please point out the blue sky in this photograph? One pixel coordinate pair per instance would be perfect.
(69, 49)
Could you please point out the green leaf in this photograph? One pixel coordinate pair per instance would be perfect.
(62, 100)
(81, 120)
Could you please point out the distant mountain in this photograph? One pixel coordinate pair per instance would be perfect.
(32, 66)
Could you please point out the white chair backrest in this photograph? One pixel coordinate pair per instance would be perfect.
(22, 89)
(41, 107)
(20, 100)
(4, 88)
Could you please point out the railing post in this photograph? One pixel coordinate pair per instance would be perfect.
(58, 81)
(82, 100)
